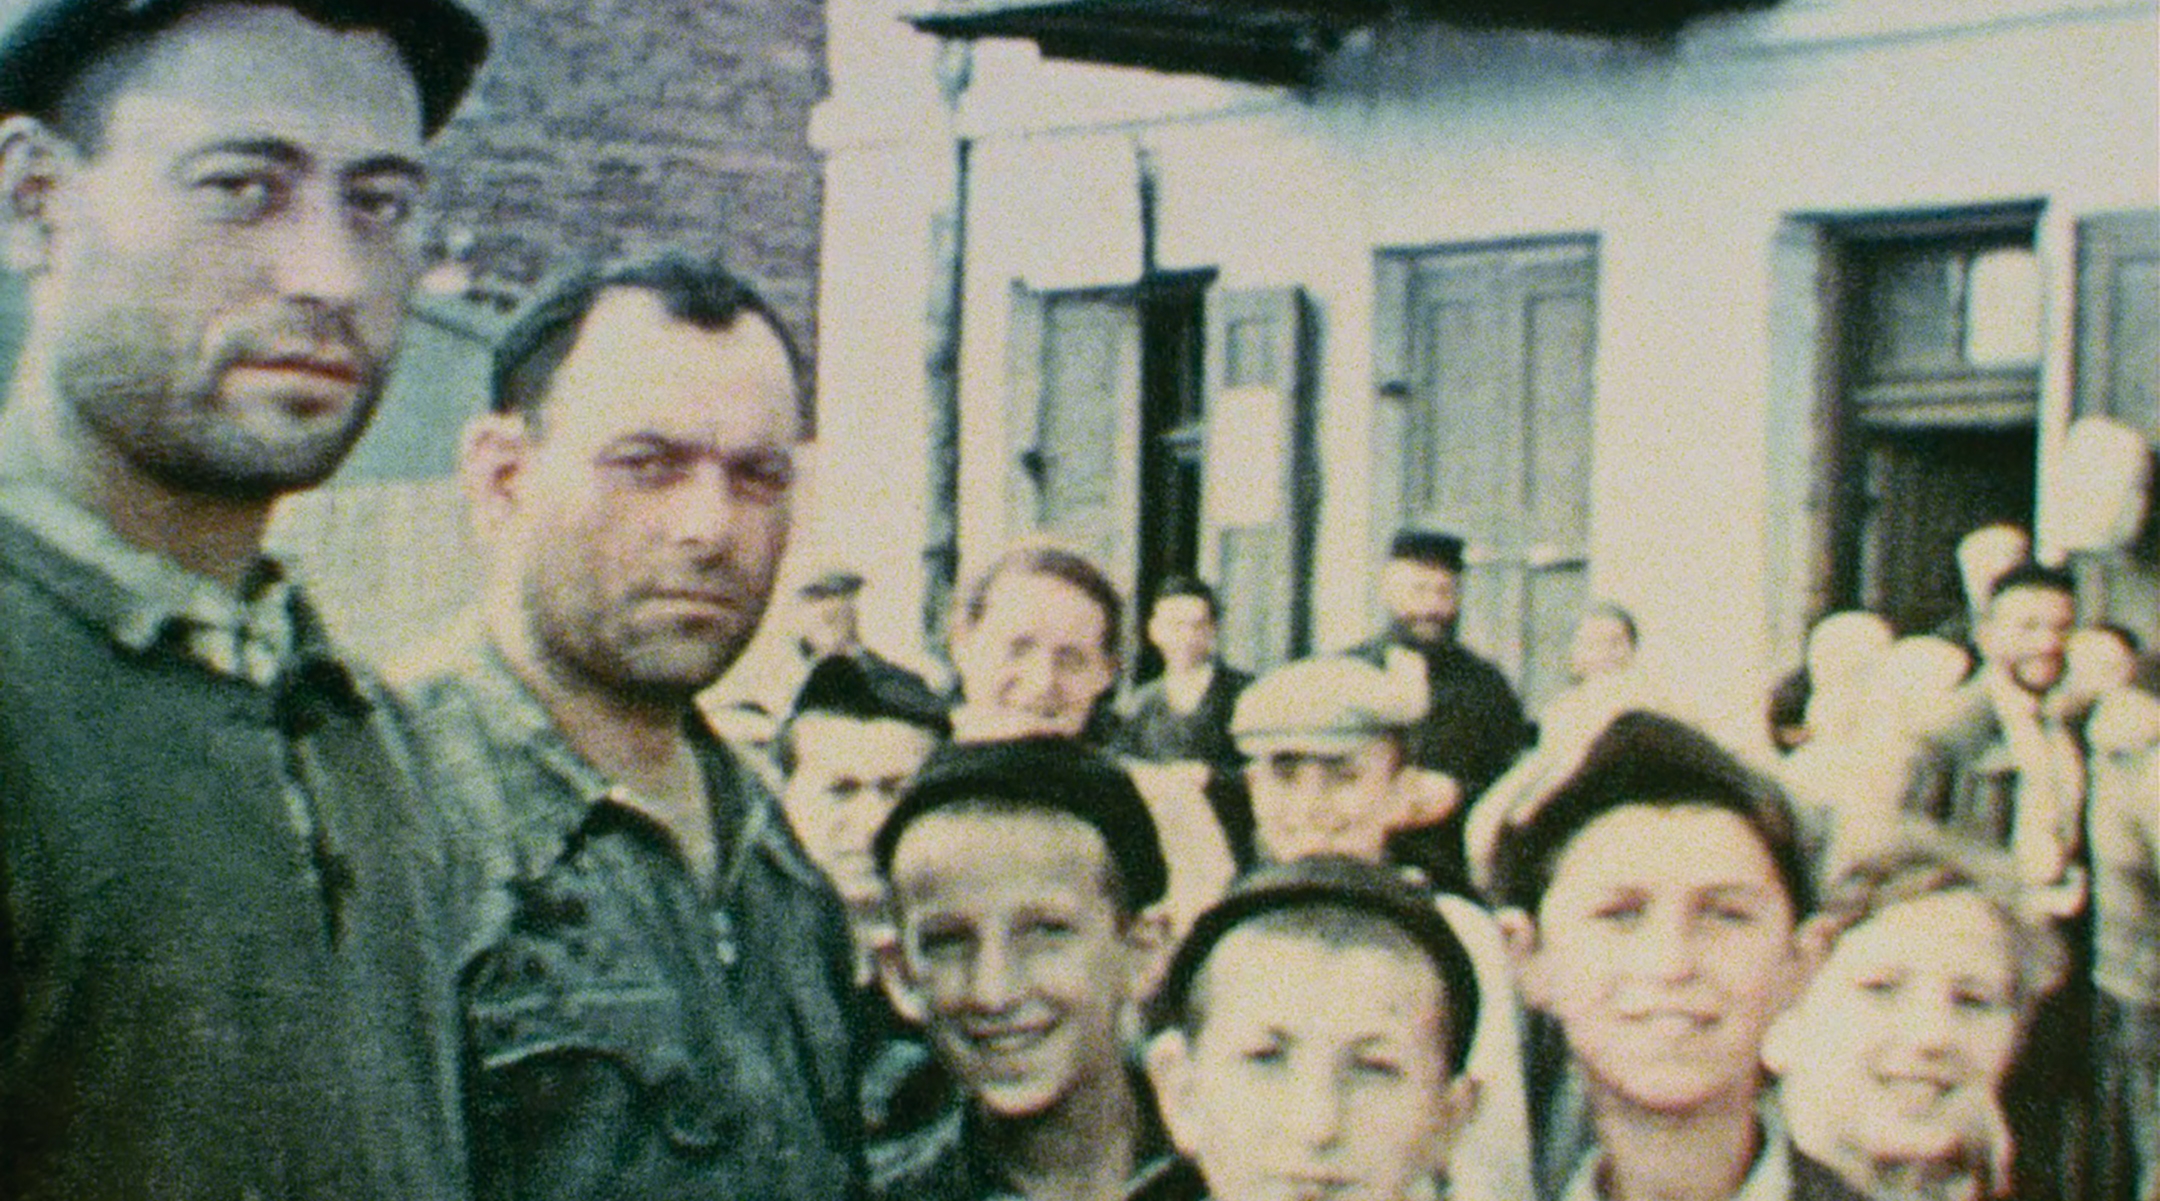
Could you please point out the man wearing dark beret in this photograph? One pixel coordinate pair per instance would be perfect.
(1027, 880)
(1473, 726)
(225, 908)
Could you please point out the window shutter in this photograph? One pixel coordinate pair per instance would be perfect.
(1262, 487)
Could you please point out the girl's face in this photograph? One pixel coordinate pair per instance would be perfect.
(1896, 1051)
(1664, 947)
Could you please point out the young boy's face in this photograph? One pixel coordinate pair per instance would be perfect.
(1316, 1071)
(1664, 947)
(1022, 959)
(847, 778)
(1340, 801)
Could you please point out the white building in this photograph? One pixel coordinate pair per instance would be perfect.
(1731, 325)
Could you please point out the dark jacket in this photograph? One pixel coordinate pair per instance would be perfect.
(1473, 730)
(631, 1036)
(224, 917)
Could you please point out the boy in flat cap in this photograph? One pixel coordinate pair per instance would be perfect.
(1654, 909)
(225, 936)
(1325, 738)
(1026, 878)
(1321, 1015)
(1473, 726)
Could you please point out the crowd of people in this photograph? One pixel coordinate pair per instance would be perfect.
(512, 919)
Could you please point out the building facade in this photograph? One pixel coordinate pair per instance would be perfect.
(1733, 321)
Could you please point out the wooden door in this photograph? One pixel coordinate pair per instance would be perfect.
(1076, 389)
(1487, 352)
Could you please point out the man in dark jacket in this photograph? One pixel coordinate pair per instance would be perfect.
(1473, 726)
(224, 905)
(662, 1007)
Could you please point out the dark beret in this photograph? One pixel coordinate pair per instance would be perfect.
(1324, 880)
(1048, 773)
(832, 583)
(52, 42)
(1645, 758)
(870, 691)
(1427, 546)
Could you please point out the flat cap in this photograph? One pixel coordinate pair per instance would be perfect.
(1427, 546)
(1337, 880)
(831, 584)
(53, 41)
(872, 691)
(1047, 773)
(1325, 705)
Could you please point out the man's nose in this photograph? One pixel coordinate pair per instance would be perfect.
(702, 509)
(319, 257)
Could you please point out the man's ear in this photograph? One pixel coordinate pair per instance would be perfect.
(33, 162)
(492, 460)
(1168, 1058)
(1518, 930)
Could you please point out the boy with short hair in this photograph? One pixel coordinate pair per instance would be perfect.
(1654, 908)
(1026, 877)
(1328, 776)
(1321, 1014)
(855, 738)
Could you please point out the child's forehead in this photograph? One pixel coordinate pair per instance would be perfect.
(995, 838)
(1293, 973)
(1639, 841)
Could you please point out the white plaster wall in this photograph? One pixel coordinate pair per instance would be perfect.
(1681, 160)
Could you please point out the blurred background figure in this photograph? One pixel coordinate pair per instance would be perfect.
(1892, 1063)
(1473, 726)
(853, 742)
(1604, 643)
(2122, 832)
(1035, 644)
(1177, 726)
(1849, 782)
(1984, 557)
(828, 626)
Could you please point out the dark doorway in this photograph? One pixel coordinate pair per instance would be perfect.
(1939, 332)
(1926, 489)
(1173, 440)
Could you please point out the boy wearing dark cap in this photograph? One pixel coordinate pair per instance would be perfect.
(1025, 878)
(1321, 1016)
(1654, 904)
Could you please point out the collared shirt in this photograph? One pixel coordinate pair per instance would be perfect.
(227, 909)
(1779, 1173)
(632, 1034)
(249, 635)
(949, 1160)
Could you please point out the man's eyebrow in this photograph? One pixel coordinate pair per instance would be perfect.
(389, 164)
(292, 157)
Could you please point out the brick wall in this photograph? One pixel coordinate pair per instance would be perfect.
(602, 126)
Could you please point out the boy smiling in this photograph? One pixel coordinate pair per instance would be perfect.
(1655, 902)
(1025, 877)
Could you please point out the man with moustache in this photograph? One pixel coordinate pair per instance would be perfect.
(223, 902)
(661, 1007)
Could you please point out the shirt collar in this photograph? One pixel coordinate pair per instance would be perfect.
(1769, 1179)
(140, 597)
(513, 716)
